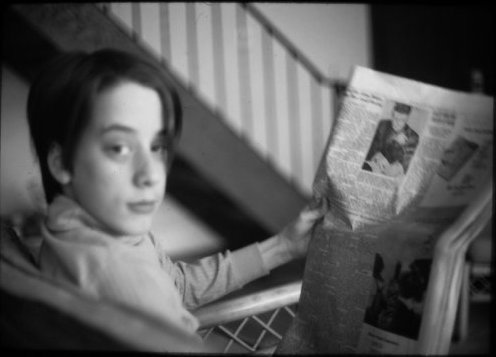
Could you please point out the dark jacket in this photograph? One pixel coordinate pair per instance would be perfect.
(384, 142)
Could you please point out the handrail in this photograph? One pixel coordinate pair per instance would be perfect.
(270, 122)
(225, 311)
(295, 52)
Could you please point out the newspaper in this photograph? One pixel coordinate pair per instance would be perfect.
(403, 161)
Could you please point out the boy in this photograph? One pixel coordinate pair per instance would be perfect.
(104, 126)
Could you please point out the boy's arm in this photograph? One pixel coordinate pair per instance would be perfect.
(212, 277)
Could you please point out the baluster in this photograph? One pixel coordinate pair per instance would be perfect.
(218, 53)
(192, 44)
(270, 94)
(338, 90)
(165, 44)
(328, 109)
(317, 127)
(244, 73)
(293, 113)
(305, 125)
(274, 104)
(104, 6)
(136, 20)
(281, 97)
(230, 36)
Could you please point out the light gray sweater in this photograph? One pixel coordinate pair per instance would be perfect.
(134, 270)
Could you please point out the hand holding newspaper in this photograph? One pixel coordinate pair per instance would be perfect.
(403, 162)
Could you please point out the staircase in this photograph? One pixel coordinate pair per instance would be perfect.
(247, 71)
(256, 111)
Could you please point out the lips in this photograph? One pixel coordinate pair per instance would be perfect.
(142, 207)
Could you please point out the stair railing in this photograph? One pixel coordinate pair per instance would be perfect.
(274, 127)
(296, 57)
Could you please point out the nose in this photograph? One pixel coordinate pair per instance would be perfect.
(149, 170)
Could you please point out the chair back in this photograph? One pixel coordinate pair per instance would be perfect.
(39, 313)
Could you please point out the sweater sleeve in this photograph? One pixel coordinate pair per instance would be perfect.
(214, 276)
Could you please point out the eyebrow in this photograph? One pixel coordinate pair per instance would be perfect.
(126, 129)
(117, 127)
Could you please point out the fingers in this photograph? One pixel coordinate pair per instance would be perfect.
(308, 217)
(314, 209)
(311, 215)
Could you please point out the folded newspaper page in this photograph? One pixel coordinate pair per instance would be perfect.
(403, 161)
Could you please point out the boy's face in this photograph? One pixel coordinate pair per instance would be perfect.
(399, 120)
(119, 169)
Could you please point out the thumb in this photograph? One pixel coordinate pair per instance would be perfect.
(309, 215)
(316, 208)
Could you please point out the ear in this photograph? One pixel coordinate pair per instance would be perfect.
(56, 166)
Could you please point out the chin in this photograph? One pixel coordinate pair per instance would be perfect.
(133, 229)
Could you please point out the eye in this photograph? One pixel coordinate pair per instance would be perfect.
(118, 150)
(161, 146)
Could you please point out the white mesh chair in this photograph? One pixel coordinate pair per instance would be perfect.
(253, 323)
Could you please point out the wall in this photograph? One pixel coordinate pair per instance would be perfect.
(335, 37)
(21, 190)
(19, 175)
(440, 45)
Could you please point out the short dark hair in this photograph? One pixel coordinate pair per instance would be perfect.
(61, 96)
(402, 108)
